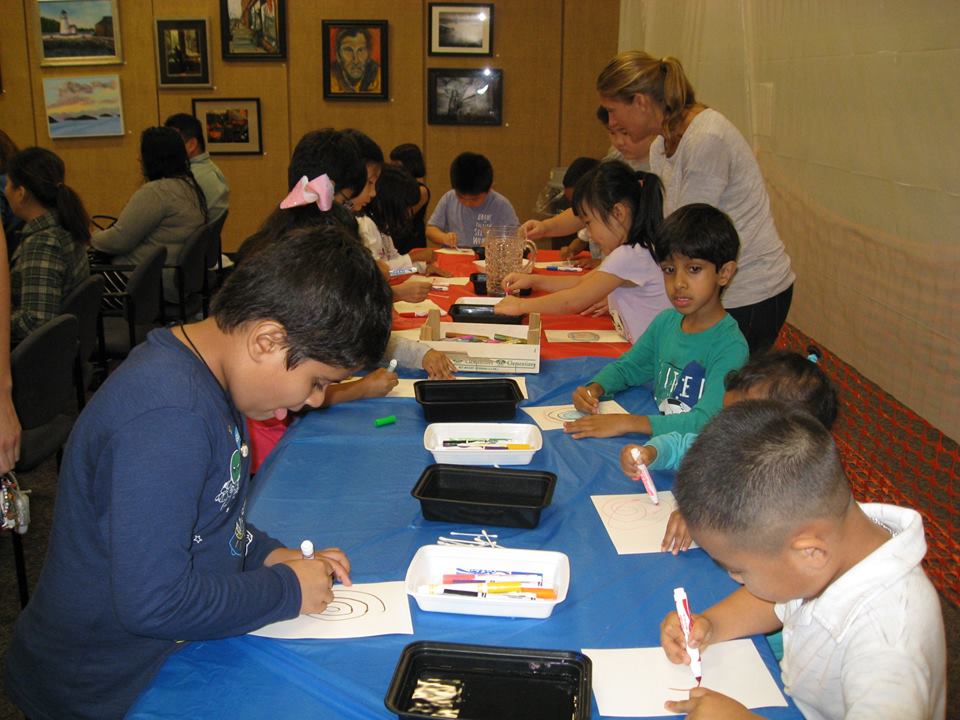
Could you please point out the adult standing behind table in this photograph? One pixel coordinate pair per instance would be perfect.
(208, 175)
(165, 210)
(701, 158)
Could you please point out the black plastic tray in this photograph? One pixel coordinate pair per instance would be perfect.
(460, 312)
(484, 495)
(481, 682)
(468, 400)
(479, 281)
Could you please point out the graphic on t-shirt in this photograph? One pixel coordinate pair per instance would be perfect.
(483, 221)
(241, 538)
(684, 387)
(230, 488)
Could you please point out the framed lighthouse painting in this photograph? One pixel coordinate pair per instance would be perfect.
(78, 32)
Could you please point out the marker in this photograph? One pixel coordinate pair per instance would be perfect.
(306, 549)
(644, 476)
(452, 579)
(398, 272)
(392, 366)
(564, 268)
(683, 611)
(388, 420)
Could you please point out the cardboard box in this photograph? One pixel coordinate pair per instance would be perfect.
(486, 357)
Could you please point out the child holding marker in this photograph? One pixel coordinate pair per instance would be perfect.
(688, 350)
(622, 210)
(763, 493)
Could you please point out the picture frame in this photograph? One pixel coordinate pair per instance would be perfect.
(467, 96)
(356, 60)
(231, 126)
(183, 53)
(461, 29)
(253, 29)
(82, 107)
(78, 32)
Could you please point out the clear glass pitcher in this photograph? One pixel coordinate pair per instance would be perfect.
(505, 245)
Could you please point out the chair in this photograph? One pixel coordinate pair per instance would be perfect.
(189, 273)
(84, 304)
(214, 260)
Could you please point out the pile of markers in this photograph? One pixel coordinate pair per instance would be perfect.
(486, 444)
(492, 584)
(496, 339)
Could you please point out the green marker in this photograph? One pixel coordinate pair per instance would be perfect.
(388, 420)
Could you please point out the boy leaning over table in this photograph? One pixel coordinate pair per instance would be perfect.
(763, 492)
(150, 545)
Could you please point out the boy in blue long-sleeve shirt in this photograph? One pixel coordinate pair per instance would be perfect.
(150, 545)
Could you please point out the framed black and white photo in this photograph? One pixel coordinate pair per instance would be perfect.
(253, 29)
(355, 60)
(183, 57)
(231, 126)
(78, 32)
(460, 29)
(464, 97)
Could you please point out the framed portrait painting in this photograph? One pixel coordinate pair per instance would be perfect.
(183, 58)
(231, 126)
(355, 60)
(78, 32)
(464, 97)
(459, 29)
(79, 107)
(253, 29)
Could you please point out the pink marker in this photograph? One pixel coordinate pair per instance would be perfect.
(644, 476)
(686, 620)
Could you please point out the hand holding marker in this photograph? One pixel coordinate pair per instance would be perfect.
(644, 475)
(683, 612)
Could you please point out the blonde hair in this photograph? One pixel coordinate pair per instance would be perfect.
(663, 80)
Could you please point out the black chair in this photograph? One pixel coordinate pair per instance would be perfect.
(214, 260)
(189, 273)
(84, 304)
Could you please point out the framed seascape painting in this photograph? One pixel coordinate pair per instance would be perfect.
(231, 126)
(79, 107)
(458, 29)
(78, 32)
(253, 29)
(464, 97)
(183, 58)
(355, 60)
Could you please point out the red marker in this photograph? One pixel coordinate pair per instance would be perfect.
(686, 620)
(644, 476)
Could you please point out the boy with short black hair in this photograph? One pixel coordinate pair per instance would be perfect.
(763, 492)
(464, 213)
(687, 351)
(150, 544)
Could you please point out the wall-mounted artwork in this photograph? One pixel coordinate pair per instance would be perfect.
(355, 60)
(459, 29)
(79, 107)
(253, 29)
(464, 97)
(78, 32)
(231, 126)
(183, 59)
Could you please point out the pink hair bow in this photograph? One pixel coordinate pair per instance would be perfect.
(319, 190)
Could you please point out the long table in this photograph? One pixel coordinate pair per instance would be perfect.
(338, 480)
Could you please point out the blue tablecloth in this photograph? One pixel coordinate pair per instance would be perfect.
(336, 479)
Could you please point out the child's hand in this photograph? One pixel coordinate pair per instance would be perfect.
(709, 705)
(438, 366)
(586, 399)
(509, 306)
(589, 262)
(677, 537)
(600, 426)
(565, 253)
(316, 578)
(672, 641)
(378, 383)
(600, 307)
(517, 281)
(449, 240)
(422, 255)
(413, 291)
(533, 229)
(648, 454)
(434, 269)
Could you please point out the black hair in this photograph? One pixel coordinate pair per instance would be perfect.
(471, 174)
(397, 192)
(790, 378)
(163, 155)
(577, 169)
(189, 128)
(281, 223)
(603, 115)
(368, 148)
(410, 156)
(329, 152)
(43, 174)
(757, 470)
(351, 31)
(613, 182)
(7, 148)
(698, 231)
(323, 287)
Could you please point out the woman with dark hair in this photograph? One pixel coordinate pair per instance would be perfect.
(166, 210)
(50, 259)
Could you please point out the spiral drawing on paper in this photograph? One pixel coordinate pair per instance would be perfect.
(349, 605)
(632, 511)
(562, 415)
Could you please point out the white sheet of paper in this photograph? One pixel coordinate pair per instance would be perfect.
(588, 336)
(404, 388)
(633, 522)
(420, 308)
(635, 682)
(552, 417)
(361, 610)
(454, 251)
(445, 281)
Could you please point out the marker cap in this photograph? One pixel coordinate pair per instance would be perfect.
(306, 549)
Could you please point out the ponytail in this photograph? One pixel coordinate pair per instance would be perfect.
(41, 172)
(72, 214)
(647, 210)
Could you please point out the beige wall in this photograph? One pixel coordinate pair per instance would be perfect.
(851, 107)
(549, 51)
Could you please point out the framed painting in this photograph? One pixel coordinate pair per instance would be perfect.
(459, 29)
(253, 29)
(464, 97)
(231, 126)
(355, 60)
(79, 107)
(78, 32)
(183, 58)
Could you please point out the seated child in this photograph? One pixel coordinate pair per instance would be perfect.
(635, 153)
(464, 213)
(688, 350)
(578, 168)
(781, 375)
(410, 158)
(150, 545)
(622, 209)
(765, 495)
